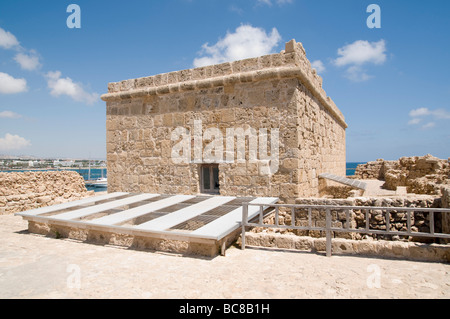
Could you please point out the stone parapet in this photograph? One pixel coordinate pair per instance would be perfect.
(290, 63)
(30, 190)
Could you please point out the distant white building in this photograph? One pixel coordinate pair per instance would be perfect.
(17, 163)
(63, 163)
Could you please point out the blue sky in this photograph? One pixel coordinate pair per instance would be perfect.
(391, 83)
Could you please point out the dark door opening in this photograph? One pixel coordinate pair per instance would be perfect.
(209, 178)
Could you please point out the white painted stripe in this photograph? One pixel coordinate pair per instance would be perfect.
(182, 215)
(102, 207)
(49, 209)
(224, 225)
(129, 214)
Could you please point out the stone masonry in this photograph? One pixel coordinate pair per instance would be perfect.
(29, 190)
(278, 92)
(420, 174)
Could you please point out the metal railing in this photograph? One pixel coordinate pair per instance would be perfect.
(329, 229)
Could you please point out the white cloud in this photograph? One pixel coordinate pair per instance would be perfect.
(318, 65)
(269, 2)
(418, 115)
(359, 53)
(357, 74)
(414, 121)
(419, 112)
(65, 86)
(9, 114)
(11, 85)
(7, 39)
(429, 125)
(13, 142)
(236, 9)
(28, 62)
(439, 114)
(245, 42)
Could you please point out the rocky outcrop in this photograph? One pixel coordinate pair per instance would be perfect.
(420, 174)
(30, 190)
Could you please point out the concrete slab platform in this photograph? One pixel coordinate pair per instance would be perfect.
(203, 224)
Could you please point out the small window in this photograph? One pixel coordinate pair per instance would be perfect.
(209, 178)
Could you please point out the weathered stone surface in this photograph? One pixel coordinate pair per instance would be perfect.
(420, 221)
(129, 241)
(378, 248)
(279, 91)
(30, 190)
(420, 174)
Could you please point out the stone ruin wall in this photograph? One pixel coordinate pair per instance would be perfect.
(420, 174)
(374, 169)
(274, 91)
(29, 190)
(428, 185)
(427, 177)
(377, 219)
(414, 248)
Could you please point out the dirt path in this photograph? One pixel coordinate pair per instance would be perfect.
(33, 266)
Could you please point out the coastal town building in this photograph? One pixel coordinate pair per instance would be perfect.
(261, 126)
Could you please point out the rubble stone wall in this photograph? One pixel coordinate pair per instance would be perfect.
(376, 248)
(374, 170)
(377, 219)
(420, 174)
(29, 190)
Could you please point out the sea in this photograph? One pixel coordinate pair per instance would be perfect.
(351, 167)
(95, 173)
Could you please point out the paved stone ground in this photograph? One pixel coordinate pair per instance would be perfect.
(375, 188)
(34, 266)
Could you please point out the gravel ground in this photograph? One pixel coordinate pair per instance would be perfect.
(34, 266)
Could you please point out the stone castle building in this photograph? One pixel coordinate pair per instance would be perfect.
(255, 127)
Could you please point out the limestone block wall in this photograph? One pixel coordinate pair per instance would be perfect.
(29, 190)
(274, 93)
